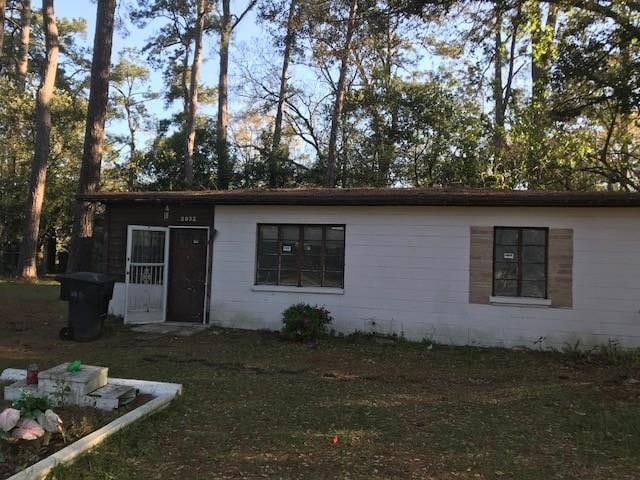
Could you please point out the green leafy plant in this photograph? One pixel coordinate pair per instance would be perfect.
(305, 322)
(30, 405)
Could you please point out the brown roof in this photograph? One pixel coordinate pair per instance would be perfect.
(376, 197)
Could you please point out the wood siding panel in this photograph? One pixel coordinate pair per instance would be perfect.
(560, 281)
(121, 216)
(480, 264)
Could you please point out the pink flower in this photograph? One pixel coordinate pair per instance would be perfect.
(9, 419)
(28, 429)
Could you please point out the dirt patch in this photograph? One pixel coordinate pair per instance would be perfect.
(78, 422)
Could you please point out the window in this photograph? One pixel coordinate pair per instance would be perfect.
(300, 255)
(520, 262)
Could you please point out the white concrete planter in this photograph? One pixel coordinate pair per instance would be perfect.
(164, 393)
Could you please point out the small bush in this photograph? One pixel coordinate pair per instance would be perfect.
(305, 322)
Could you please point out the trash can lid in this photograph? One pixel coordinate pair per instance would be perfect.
(89, 277)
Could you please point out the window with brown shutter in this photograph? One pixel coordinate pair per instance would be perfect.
(538, 265)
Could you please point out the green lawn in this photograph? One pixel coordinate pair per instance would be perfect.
(258, 407)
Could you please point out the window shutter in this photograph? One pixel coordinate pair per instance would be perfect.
(481, 264)
(560, 269)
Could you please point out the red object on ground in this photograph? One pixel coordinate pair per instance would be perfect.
(335, 440)
(32, 374)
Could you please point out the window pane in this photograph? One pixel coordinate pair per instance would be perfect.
(335, 233)
(269, 232)
(288, 262)
(289, 248)
(334, 248)
(506, 236)
(508, 279)
(533, 271)
(312, 233)
(333, 262)
(506, 271)
(533, 254)
(267, 277)
(507, 253)
(288, 277)
(332, 279)
(269, 247)
(311, 278)
(506, 288)
(312, 262)
(533, 289)
(532, 236)
(283, 260)
(148, 246)
(268, 261)
(313, 247)
(289, 232)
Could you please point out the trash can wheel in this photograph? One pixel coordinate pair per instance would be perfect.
(66, 333)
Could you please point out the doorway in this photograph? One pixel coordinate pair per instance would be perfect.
(188, 266)
(146, 274)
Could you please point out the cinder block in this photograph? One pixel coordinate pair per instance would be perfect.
(12, 392)
(69, 387)
(108, 397)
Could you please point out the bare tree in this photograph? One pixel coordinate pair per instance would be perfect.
(227, 24)
(29, 245)
(192, 104)
(81, 242)
(25, 34)
(289, 42)
(503, 91)
(341, 90)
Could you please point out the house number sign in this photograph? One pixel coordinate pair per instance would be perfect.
(188, 218)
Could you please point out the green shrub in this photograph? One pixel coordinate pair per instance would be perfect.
(305, 322)
(31, 405)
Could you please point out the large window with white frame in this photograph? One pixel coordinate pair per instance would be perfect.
(300, 255)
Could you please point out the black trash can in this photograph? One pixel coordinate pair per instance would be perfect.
(88, 295)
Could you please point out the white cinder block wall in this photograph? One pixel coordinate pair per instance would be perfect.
(407, 271)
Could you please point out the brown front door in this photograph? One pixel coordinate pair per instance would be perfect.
(187, 275)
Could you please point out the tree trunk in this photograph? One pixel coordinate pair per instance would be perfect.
(388, 147)
(81, 249)
(27, 270)
(222, 150)
(190, 124)
(133, 127)
(3, 7)
(498, 124)
(542, 37)
(25, 34)
(226, 26)
(275, 156)
(341, 90)
(540, 62)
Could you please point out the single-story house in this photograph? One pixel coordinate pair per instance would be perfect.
(510, 268)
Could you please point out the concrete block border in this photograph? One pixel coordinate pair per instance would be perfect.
(164, 393)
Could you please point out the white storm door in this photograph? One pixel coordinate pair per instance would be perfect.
(146, 275)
